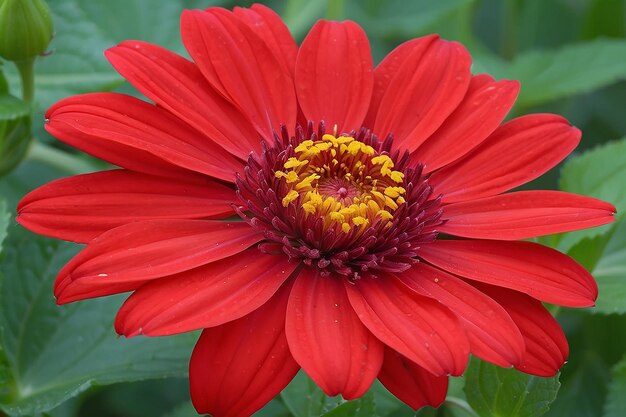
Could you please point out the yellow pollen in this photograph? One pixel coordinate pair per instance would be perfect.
(290, 176)
(396, 176)
(291, 195)
(382, 160)
(306, 182)
(303, 146)
(389, 202)
(349, 210)
(338, 217)
(294, 163)
(360, 221)
(394, 192)
(355, 147)
(324, 146)
(309, 207)
(343, 181)
(314, 198)
(373, 206)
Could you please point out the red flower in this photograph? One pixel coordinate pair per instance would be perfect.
(376, 240)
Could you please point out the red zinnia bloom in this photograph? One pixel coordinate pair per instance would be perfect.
(308, 210)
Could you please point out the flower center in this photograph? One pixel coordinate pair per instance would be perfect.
(344, 181)
(344, 204)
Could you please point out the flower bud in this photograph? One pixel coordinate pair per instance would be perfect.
(25, 29)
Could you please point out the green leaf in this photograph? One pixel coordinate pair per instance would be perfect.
(610, 273)
(597, 173)
(604, 18)
(497, 392)
(54, 352)
(574, 69)
(583, 392)
(304, 399)
(399, 18)
(183, 410)
(4, 86)
(363, 407)
(12, 108)
(455, 407)
(4, 221)
(387, 404)
(616, 400)
(28, 176)
(300, 15)
(588, 251)
(596, 345)
(274, 408)
(15, 134)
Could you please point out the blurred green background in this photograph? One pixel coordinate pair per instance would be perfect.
(570, 56)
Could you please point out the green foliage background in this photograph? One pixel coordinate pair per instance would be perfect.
(570, 56)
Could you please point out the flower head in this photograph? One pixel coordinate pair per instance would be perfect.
(308, 210)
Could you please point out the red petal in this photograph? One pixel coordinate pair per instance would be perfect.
(238, 367)
(525, 214)
(131, 133)
(492, 334)
(82, 207)
(207, 296)
(386, 70)
(270, 27)
(334, 75)
(517, 152)
(483, 108)
(177, 85)
(239, 64)
(536, 270)
(417, 327)
(546, 346)
(150, 249)
(424, 90)
(327, 339)
(411, 383)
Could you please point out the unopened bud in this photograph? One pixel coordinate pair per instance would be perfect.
(25, 29)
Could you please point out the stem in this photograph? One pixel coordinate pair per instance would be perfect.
(508, 47)
(27, 74)
(57, 159)
(334, 9)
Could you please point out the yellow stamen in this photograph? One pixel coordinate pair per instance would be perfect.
(338, 217)
(306, 182)
(290, 176)
(303, 146)
(381, 160)
(396, 176)
(291, 195)
(360, 221)
(319, 168)
(354, 147)
(309, 208)
(294, 163)
(394, 192)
